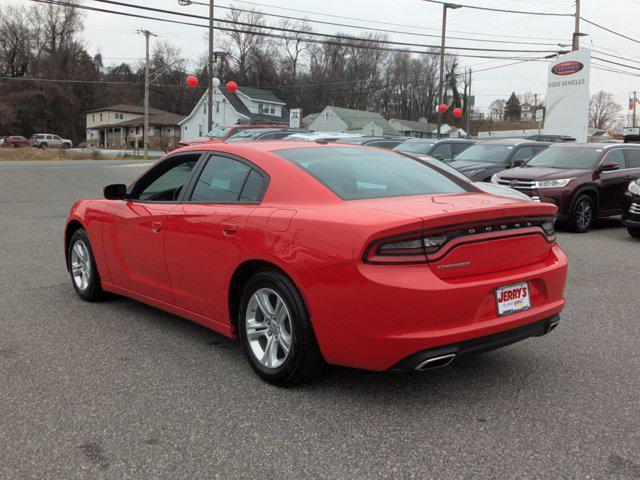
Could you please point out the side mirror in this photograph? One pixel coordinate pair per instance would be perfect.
(117, 191)
(609, 167)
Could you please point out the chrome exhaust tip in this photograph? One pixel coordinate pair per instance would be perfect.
(553, 326)
(436, 362)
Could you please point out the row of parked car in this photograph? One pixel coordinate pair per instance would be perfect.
(585, 181)
(39, 140)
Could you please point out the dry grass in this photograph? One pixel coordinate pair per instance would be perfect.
(27, 154)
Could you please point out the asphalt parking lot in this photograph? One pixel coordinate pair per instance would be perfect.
(120, 390)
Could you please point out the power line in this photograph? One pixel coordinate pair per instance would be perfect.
(616, 63)
(369, 21)
(324, 35)
(609, 30)
(502, 10)
(363, 43)
(374, 29)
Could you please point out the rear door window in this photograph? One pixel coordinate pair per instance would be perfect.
(522, 154)
(633, 157)
(225, 180)
(442, 152)
(459, 148)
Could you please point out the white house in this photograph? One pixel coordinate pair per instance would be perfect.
(245, 105)
(122, 125)
(338, 119)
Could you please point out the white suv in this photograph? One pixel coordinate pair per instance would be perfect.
(46, 140)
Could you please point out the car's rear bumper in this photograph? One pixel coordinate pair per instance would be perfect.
(441, 356)
(375, 316)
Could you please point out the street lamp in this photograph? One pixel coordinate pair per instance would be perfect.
(445, 6)
(210, 63)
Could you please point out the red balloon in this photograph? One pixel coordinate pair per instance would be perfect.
(442, 108)
(232, 86)
(457, 112)
(192, 81)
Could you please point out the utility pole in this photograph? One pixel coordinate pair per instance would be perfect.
(210, 79)
(635, 103)
(445, 6)
(469, 106)
(145, 137)
(576, 32)
(210, 85)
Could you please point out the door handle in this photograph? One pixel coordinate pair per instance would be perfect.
(229, 228)
(156, 226)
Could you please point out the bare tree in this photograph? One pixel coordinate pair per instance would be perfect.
(497, 109)
(243, 39)
(602, 110)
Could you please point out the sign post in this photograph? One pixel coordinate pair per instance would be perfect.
(567, 102)
(539, 119)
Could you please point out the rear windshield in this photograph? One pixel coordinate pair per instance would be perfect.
(566, 158)
(355, 173)
(421, 148)
(486, 152)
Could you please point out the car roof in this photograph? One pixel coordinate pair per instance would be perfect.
(594, 146)
(440, 140)
(516, 141)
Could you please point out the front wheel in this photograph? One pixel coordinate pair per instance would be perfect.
(582, 214)
(634, 232)
(276, 332)
(82, 267)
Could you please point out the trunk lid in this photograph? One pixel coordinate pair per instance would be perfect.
(485, 233)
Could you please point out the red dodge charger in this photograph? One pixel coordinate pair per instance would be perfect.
(312, 253)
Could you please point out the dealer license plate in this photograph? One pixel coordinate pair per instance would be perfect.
(513, 298)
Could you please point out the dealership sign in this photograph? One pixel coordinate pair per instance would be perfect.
(567, 102)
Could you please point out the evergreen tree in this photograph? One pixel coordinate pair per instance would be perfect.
(513, 109)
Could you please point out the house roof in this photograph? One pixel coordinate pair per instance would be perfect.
(259, 94)
(242, 109)
(417, 126)
(126, 108)
(161, 120)
(357, 119)
(308, 119)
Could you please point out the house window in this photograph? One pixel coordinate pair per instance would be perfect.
(272, 110)
(93, 117)
(205, 108)
(326, 117)
(217, 107)
(100, 117)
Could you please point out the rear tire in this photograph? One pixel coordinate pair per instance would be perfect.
(44, 145)
(634, 232)
(276, 332)
(583, 214)
(82, 267)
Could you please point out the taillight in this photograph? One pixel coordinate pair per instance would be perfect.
(549, 229)
(415, 246)
(404, 249)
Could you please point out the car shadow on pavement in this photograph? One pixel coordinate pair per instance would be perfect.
(606, 223)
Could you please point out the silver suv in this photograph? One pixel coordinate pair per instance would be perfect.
(48, 140)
